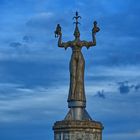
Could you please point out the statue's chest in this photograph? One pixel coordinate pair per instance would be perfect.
(77, 44)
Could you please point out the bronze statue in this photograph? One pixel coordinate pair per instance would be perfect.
(77, 124)
(77, 62)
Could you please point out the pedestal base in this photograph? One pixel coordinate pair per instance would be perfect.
(77, 130)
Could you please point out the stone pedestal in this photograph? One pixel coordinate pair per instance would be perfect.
(77, 130)
(77, 125)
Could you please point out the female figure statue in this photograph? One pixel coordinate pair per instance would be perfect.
(77, 62)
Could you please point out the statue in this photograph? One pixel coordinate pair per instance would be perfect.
(77, 124)
(77, 62)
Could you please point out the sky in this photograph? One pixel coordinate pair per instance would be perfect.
(34, 72)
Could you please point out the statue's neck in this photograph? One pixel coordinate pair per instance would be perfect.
(77, 39)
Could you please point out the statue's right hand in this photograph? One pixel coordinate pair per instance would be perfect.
(58, 31)
(57, 34)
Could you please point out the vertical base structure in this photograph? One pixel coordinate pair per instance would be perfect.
(77, 125)
(77, 130)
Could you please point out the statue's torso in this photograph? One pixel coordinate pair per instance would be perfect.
(76, 45)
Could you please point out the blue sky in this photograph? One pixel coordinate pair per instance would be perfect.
(34, 76)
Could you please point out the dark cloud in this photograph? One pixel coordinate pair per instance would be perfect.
(137, 87)
(125, 87)
(27, 39)
(101, 94)
(15, 44)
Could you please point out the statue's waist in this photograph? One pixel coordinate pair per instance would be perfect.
(76, 50)
(77, 54)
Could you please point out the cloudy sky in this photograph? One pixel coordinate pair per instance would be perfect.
(34, 76)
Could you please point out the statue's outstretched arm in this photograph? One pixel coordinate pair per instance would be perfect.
(90, 43)
(58, 34)
(93, 42)
(63, 44)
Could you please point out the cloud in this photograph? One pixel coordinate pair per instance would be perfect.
(40, 20)
(15, 44)
(27, 39)
(45, 22)
(110, 51)
(34, 73)
(24, 104)
(101, 94)
(124, 88)
(137, 87)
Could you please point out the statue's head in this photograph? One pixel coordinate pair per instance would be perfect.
(76, 32)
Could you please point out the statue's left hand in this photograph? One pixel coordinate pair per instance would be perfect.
(95, 28)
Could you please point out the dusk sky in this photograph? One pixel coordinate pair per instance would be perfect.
(34, 72)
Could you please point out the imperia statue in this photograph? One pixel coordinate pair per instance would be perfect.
(77, 62)
(77, 124)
